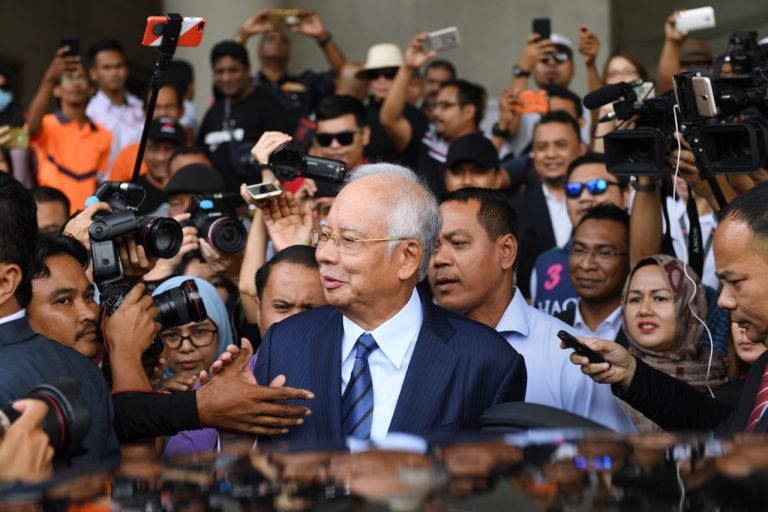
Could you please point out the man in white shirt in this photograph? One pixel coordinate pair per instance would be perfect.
(472, 273)
(379, 358)
(113, 106)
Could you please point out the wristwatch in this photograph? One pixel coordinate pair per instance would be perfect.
(498, 132)
(642, 187)
(519, 72)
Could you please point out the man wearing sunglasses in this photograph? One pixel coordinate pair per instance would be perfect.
(588, 183)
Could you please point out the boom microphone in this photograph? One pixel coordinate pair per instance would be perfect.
(609, 93)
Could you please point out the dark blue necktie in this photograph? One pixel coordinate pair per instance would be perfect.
(357, 401)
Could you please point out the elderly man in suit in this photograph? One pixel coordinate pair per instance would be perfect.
(379, 358)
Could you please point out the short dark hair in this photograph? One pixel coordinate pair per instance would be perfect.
(182, 73)
(51, 195)
(103, 45)
(496, 213)
(168, 83)
(749, 208)
(49, 246)
(605, 211)
(303, 255)
(188, 150)
(558, 91)
(441, 64)
(469, 94)
(18, 232)
(336, 105)
(559, 116)
(230, 49)
(591, 157)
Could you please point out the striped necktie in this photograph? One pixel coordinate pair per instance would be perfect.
(760, 400)
(357, 400)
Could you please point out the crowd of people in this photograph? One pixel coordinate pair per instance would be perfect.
(428, 287)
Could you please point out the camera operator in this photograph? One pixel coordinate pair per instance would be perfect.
(25, 454)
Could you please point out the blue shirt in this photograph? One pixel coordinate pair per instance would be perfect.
(552, 379)
(396, 339)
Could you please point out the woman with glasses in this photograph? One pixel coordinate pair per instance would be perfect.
(660, 306)
(188, 349)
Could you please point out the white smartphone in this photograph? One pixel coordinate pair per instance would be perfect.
(645, 91)
(695, 19)
(260, 191)
(705, 96)
(443, 39)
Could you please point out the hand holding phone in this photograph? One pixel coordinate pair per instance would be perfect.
(74, 46)
(531, 102)
(261, 191)
(695, 19)
(543, 27)
(440, 40)
(15, 137)
(570, 341)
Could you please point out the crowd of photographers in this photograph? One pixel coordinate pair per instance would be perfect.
(153, 276)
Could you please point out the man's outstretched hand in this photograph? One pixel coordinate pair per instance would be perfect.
(232, 399)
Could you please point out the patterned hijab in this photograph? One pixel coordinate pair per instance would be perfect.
(689, 357)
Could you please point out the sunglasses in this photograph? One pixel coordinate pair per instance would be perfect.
(326, 139)
(388, 73)
(595, 187)
(559, 57)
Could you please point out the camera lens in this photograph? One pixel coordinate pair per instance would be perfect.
(161, 237)
(66, 423)
(227, 235)
(180, 305)
(287, 163)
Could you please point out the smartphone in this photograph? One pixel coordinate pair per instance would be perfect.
(645, 91)
(705, 96)
(265, 190)
(284, 17)
(73, 43)
(695, 19)
(443, 39)
(543, 27)
(191, 34)
(532, 102)
(19, 139)
(580, 348)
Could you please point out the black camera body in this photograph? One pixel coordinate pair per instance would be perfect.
(222, 230)
(288, 164)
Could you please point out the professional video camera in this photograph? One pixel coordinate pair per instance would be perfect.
(725, 121)
(160, 237)
(222, 230)
(66, 422)
(288, 164)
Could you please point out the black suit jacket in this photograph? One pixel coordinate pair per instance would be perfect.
(458, 369)
(535, 233)
(674, 405)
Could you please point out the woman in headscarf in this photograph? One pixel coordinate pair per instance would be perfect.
(658, 306)
(190, 348)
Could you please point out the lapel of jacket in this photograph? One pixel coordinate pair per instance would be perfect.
(429, 373)
(542, 221)
(748, 394)
(325, 357)
(15, 331)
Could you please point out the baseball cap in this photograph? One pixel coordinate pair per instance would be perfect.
(473, 148)
(562, 44)
(166, 129)
(195, 179)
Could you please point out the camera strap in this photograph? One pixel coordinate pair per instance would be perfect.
(695, 240)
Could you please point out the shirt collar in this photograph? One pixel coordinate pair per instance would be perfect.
(613, 320)
(393, 336)
(13, 316)
(515, 317)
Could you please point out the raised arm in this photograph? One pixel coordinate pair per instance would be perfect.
(669, 60)
(39, 105)
(312, 26)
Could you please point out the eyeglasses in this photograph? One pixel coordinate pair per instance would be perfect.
(198, 338)
(345, 243)
(600, 254)
(326, 139)
(375, 74)
(444, 105)
(595, 187)
(559, 57)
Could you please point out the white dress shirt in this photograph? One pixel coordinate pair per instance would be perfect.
(396, 339)
(607, 330)
(558, 213)
(13, 316)
(552, 379)
(125, 121)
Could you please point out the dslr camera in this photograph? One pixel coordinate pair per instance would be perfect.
(160, 237)
(223, 230)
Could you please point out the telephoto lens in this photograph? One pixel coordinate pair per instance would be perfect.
(180, 305)
(224, 232)
(67, 421)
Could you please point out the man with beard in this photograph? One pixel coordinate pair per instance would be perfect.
(542, 210)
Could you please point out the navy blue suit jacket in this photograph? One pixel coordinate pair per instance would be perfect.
(458, 369)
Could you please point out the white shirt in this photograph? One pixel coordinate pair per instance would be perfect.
(607, 330)
(558, 212)
(13, 316)
(125, 121)
(552, 379)
(396, 339)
